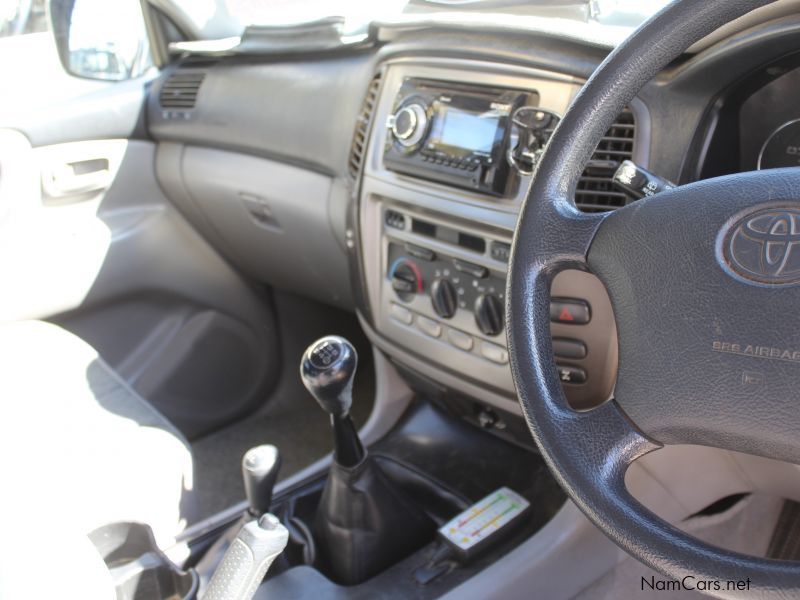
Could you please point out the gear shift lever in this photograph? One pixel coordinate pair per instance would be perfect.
(363, 522)
(327, 369)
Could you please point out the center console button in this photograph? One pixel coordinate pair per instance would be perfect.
(420, 252)
(477, 271)
(401, 313)
(500, 251)
(570, 311)
(460, 340)
(568, 348)
(429, 326)
(494, 353)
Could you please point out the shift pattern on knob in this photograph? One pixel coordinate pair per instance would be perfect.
(327, 370)
(325, 354)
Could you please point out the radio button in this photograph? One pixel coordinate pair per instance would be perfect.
(460, 340)
(409, 124)
(429, 326)
(404, 123)
(494, 353)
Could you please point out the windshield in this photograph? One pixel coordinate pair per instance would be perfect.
(221, 18)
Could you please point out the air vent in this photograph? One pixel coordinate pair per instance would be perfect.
(180, 90)
(359, 145)
(595, 191)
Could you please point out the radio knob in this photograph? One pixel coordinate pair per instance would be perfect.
(409, 124)
(444, 298)
(489, 314)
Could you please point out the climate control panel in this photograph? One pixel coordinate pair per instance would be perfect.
(456, 289)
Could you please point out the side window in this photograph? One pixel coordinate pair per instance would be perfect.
(99, 39)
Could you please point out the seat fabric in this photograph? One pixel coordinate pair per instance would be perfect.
(77, 444)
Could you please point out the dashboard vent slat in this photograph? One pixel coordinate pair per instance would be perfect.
(180, 90)
(359, 145)
(595, 192)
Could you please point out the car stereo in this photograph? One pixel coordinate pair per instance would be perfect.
(454, 134)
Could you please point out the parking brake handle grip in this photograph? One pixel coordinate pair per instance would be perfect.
(247, 560)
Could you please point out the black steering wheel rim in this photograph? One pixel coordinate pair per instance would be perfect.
(590, 452)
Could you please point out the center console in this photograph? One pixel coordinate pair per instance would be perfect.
(449, 162)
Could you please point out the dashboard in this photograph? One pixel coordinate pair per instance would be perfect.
(388, 179)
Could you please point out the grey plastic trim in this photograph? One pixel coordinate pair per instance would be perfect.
(280, 224)
(301, 112)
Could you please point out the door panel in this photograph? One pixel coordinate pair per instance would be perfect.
(88, 240)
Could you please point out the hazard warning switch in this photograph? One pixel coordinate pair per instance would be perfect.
(569, 311)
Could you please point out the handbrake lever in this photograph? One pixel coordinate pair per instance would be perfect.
(247, 560)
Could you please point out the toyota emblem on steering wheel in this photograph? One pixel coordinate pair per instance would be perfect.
(764, 246)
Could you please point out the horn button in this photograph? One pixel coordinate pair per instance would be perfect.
(704, 284)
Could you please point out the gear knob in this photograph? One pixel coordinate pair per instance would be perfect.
(327, 369)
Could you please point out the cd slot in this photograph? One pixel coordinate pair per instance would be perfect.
(449, 235)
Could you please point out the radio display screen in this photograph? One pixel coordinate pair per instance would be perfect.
(459, 129)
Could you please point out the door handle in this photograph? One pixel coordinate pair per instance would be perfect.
(77, 178)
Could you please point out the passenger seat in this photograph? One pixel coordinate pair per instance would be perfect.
(77, 444)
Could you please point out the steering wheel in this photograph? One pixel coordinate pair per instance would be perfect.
(704, 281)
